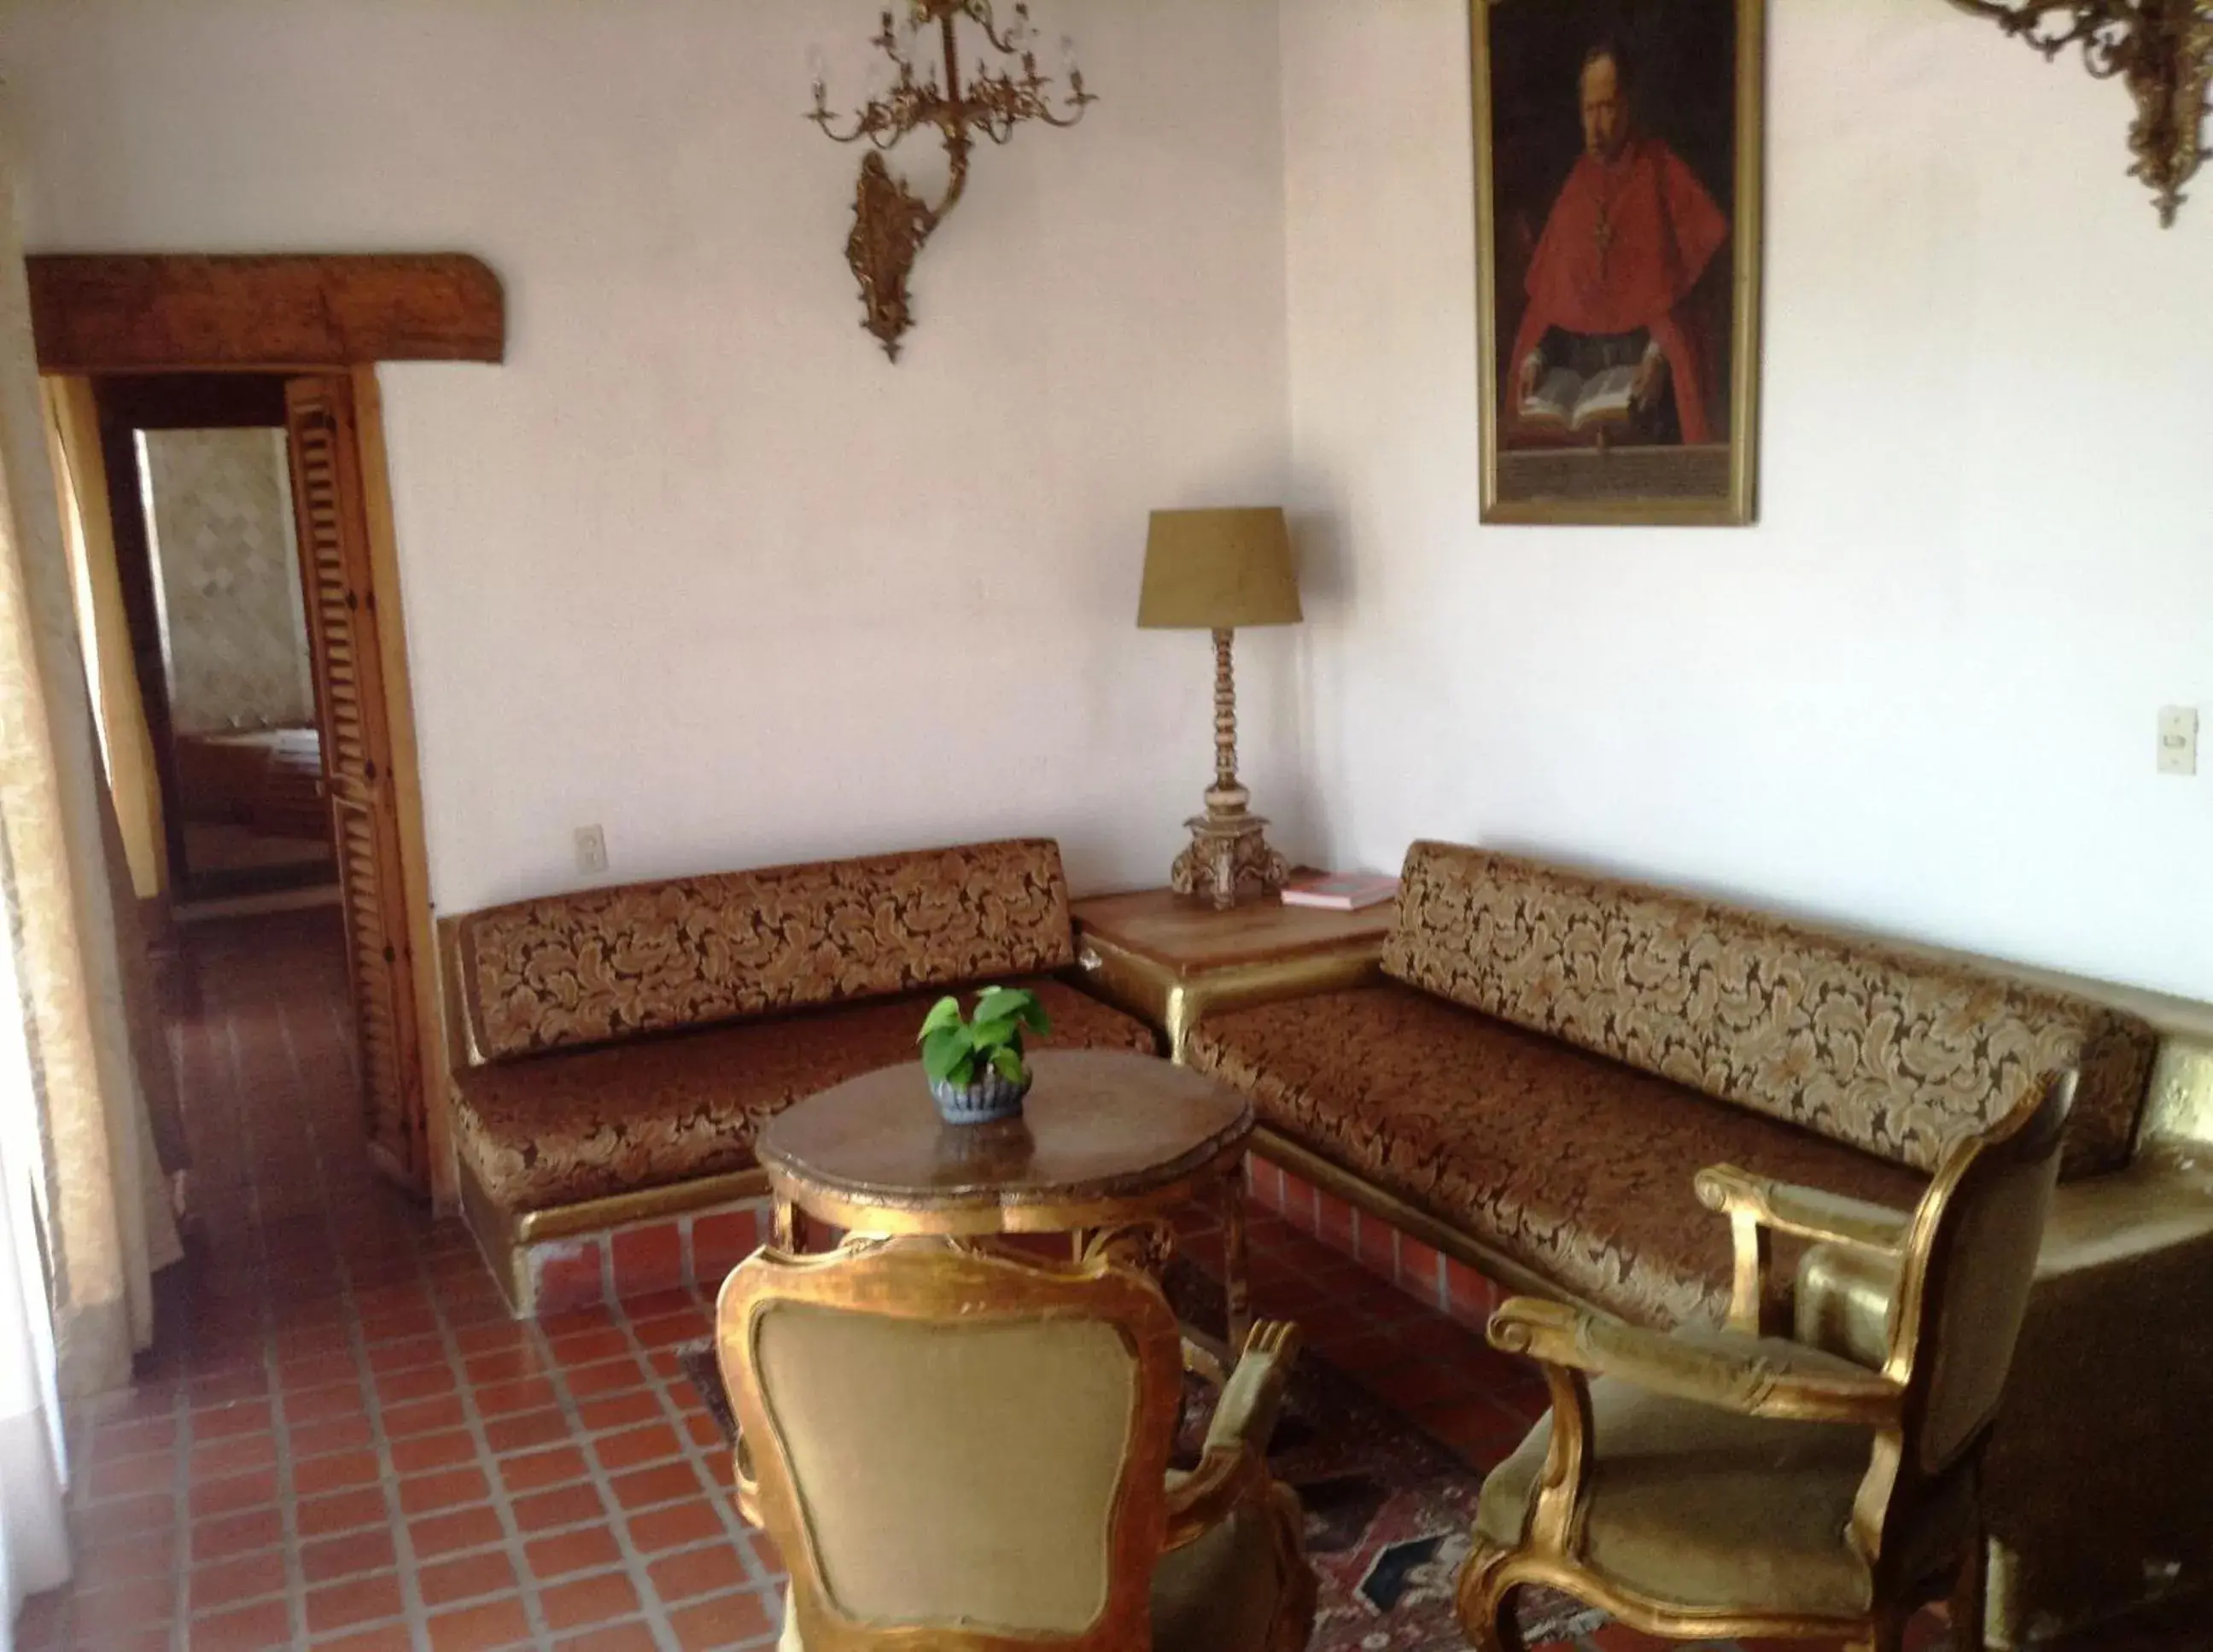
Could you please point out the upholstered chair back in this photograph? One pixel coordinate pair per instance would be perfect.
(603, 965)
(1972, 1257)
(1898, 1053)
(954, 1441)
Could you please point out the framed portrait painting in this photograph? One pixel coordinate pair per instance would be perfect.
(1619, 182)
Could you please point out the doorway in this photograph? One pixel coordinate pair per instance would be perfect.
(199, 471)
(247, 330)
(239, 516)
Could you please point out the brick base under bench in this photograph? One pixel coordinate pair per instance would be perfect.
(1423, 1272)
(641, 1259)
(699, 1249)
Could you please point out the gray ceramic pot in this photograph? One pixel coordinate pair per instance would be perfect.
(989, 1099)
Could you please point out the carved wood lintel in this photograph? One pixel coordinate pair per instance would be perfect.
(143, 313)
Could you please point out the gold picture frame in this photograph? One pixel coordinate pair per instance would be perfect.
(1599, 227)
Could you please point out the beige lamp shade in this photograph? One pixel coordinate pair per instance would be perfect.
(1218, 571)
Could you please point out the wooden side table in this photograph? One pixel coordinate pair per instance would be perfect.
(1170, 959)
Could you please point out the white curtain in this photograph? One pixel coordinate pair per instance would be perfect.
(85, 1214)
(34, 1553)
(104, 1219)
(34, 1462)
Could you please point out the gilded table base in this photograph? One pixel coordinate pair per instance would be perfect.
(1221, 1182)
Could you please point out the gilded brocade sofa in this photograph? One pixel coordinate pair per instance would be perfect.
(1551, 1057)
(614, 1051)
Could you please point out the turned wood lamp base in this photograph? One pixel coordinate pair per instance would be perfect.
(1215, 570)
(1229, 858)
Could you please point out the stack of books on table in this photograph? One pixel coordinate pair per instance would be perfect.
(1342, 891)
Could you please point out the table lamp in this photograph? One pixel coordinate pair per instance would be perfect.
(1216, 571)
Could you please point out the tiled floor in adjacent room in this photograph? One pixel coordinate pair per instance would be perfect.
(343, 1442)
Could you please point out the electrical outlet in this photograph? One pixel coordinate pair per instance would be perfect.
(591, 849)
(2178, 741)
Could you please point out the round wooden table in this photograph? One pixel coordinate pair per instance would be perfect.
(1106, 1140)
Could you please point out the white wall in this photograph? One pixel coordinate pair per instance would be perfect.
(697, 563)
(1921, 695)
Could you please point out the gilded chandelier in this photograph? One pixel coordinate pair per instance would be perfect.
(890, 222)
(2162, 50)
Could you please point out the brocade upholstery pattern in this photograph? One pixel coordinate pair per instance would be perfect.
(1899, 1055)
(556, 1128)
(603, 965)
(1577, 1166)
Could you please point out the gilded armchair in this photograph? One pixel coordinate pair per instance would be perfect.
(965, 1451)
(1734, 1483)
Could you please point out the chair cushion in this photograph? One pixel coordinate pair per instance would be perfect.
(1577, 1166)
(1898, 1053)
(582, 1125)
(602, 965)
(1222, 1592)
(1703, 1509)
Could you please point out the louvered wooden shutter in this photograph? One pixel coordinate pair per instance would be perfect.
(342, 628)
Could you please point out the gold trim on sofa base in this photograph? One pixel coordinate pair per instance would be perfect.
(646, 1205)
(492, 1229)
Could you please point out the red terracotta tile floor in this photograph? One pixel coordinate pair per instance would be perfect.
(341, 1441)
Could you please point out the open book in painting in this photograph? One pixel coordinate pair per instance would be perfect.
(1572, 405)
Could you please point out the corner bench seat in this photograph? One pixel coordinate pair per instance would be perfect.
(1561, 1160)
(590, 1124)
(621, 1040)
(1555, 1055)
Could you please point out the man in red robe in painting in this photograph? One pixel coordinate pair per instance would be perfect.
(1629, 236)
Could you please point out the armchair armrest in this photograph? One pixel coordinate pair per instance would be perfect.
(1234, 1466)
(1732, 1374)
(1807, 1211)
(1572, 1344)
(1758, 1207)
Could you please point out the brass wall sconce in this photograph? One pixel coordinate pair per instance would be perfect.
(890, 221)
(2162, 50)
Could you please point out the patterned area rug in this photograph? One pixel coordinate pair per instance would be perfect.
(1388, 1509)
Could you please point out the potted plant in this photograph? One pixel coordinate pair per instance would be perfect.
(975, 1066)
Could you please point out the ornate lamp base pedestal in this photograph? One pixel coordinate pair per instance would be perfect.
(1229, 860)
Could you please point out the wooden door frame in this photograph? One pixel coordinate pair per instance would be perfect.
(137, 315)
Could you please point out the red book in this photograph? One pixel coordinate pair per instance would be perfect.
(1343, 892)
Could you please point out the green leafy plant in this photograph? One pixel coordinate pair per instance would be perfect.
(957, 1052)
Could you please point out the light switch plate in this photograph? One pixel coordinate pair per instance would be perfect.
(591, 849)
(2177, 740)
